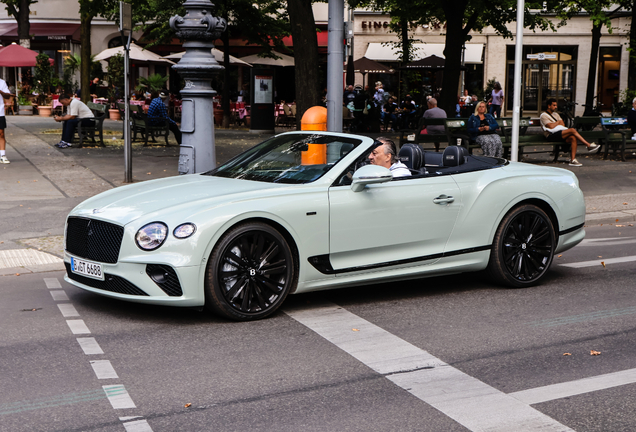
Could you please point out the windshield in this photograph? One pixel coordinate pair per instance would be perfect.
(292, 158)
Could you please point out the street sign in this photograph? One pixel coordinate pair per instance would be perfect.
(541, 56)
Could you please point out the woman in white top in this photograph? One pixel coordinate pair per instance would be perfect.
(496, 97)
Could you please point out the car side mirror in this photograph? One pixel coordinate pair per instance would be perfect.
(370, 174)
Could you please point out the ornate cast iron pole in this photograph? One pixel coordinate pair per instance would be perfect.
(197, 67)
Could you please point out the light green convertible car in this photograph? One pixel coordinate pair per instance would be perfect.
(304, 211)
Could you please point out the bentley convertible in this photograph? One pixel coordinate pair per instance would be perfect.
(305, 211)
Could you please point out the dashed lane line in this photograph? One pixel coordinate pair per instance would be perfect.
(118, 396)
(103, 369)
(52, 283)
(68, 310)
(577, 387)
(90, 346)
(78, 326)
(470, 402)
(59, 295)
(597, 262)
(136, 425)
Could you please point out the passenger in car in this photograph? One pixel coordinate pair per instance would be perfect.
(385, 155)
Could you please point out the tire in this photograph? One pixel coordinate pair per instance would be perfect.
(250, 272)
(523, 247)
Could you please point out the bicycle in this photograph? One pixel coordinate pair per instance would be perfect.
(594, 109)
(567, 113)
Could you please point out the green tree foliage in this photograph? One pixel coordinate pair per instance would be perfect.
(44, 78)
(154, 82)
(19, 10)
(115, 78)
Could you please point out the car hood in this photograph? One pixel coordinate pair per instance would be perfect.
(127, 203)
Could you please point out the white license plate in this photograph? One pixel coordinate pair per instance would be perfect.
(87, 268)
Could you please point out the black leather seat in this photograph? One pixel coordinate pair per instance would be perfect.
(432, 159)
(454, 156)
(412, 156)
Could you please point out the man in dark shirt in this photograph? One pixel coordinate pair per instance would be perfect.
(157, 112)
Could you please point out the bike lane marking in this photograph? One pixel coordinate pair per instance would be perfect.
(467, 400)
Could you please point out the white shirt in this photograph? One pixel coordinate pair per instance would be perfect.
(398, 169)
(4, 88)
(79, 109)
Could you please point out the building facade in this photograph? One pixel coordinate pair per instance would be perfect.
(555, 64)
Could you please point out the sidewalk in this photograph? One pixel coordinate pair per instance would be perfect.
(43, 183)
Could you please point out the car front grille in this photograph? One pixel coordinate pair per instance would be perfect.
(166, 278)
(93, 240)
(110, 283)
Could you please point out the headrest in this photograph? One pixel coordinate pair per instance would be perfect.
(454, 155)
(412, 156)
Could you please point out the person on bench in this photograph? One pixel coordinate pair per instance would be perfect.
(434, 112)
(77, 112)
(385, 155)
(554, 130)
(482, 128)
(631, 118)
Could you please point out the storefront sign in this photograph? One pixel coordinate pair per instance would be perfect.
(542, 56)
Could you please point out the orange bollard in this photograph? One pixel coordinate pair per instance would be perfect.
(314, 119)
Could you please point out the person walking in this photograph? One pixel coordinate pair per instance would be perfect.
(496, 97)
(6, 94)
(77, 112)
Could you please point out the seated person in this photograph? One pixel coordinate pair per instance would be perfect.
(555, 131)
(631, 118)
(434, 111)
(388, 112)
(481, 127)
(77, 111)
(157, 111)
(386, 155)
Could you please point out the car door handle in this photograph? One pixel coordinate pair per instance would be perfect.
(443, 199)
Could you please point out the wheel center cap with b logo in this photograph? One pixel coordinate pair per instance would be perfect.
(252, 272)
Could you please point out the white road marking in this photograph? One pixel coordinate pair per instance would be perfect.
(610, 241)
(465, 399)
(26, 258)
(90, 346)
(78, 326)
(573, 388)
(68, 310)
(118, 396)
(103, 369)
(137, 426)
(597, 262)
(52, 283)
(59, 295)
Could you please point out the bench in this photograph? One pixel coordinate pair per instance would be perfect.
(90, 127)
(141, 124)
(415, 135)
(617, 135)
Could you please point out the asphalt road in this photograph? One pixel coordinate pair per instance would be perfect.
(74, 361)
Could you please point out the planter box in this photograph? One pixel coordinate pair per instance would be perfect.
(113, 114)
(26, 110)
(45, 111)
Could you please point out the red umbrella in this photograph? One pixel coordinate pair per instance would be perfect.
(15, 55)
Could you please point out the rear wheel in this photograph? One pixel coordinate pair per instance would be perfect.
(250, 273)
(523, 247)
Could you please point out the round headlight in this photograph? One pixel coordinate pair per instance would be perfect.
(184, 230)
(151, 236)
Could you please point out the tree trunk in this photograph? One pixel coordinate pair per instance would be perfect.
(85, 54)
(225, 99)
(631, 72)
(455, 37)
(591, 74)
(406, 58)
(303, 30)
(24, 26)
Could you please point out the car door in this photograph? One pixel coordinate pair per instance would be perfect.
(401, 221)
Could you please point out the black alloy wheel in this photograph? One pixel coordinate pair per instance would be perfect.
(250, 273)
(523, 247)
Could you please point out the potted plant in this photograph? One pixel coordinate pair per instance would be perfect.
(24, 104)
(45, 79)
(115, 78)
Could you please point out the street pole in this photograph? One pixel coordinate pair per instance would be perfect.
(514, 147)
(197, 67)
(335, 61)
(125, 24)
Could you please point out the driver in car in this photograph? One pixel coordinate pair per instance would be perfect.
(385, 155)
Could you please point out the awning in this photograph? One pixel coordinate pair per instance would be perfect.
(387, 53)
(43, 31)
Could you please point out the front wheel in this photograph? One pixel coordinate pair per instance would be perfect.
(523, 247)
(250, 273)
